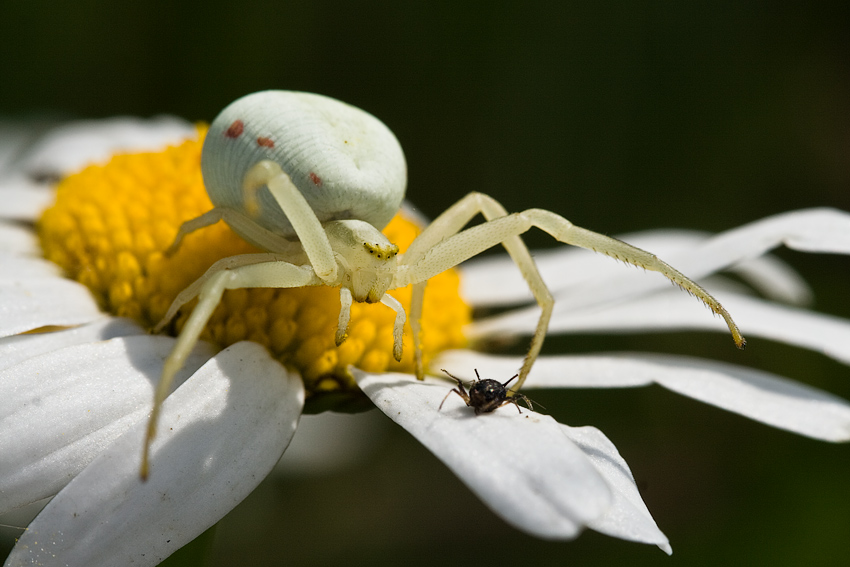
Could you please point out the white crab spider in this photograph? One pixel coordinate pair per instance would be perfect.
(313, 181)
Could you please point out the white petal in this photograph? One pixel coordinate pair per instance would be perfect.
(775, 279)
(568, 318)
(16, 349)
(60, 409)
(495, 280)
(807, 230)
(15, 137)
(584, 284)
(70, 147)
(220, 435)
(813, 230)
(570, 272)
(628, 517)
(819, 332)
(28, 303)
(26, 267)
(18, 240)
(759, 395)
(522, 466)
(673, 310)
(24, 199)
(548, 371)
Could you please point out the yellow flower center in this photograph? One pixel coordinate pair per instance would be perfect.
(112, 223)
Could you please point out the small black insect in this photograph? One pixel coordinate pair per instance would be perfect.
(486, 395)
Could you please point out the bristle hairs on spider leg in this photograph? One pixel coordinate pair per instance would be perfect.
(486, 395)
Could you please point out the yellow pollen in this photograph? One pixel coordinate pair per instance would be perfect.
(111, 224)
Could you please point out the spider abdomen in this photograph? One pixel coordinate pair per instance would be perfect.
(346, 162)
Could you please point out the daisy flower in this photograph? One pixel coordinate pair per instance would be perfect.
(84, 277)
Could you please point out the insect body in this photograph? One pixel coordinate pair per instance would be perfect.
(486, 395)
(312, 180)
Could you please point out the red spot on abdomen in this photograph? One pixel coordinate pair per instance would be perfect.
(317, 181)
(265, 142)
(235, 130)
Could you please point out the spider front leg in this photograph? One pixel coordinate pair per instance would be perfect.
(260, 274)
(448, 224)
(441, 250)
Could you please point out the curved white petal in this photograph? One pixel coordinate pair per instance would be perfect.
(819, 332)
(548, 371)
(495, 279)
(673, 310)
(807, 230)
(220, 434)
(775, 279)
(24, 199)
(73, 145)
(28, 303)
(24, 267)
(522, 466)
(756, 394)
(812, 230)
(31, 156)
(628, 517)
(15, 136)
(60, 409)
(759, 395)
(18, 240)
(598, 284)
(16, 349)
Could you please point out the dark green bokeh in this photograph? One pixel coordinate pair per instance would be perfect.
(621, 116)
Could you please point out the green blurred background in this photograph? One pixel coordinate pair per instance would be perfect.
(621, 116)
